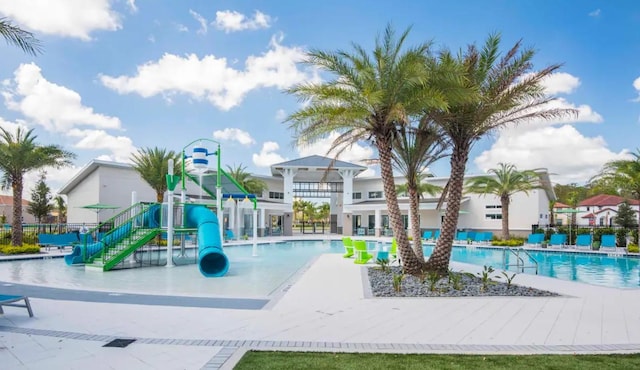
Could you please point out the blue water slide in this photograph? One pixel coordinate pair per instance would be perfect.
(150, 219)
(212, 261)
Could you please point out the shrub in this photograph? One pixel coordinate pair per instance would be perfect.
(515, 242)
(25, 249)
(621, 238)
(634, 236)
(597, 233)
(633, 248)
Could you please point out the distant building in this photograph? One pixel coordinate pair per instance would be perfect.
(601, 210)
(6, 209)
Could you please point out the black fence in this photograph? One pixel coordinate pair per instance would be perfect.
(596, 231)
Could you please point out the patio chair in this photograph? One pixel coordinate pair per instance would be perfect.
(228, 235)
(461, 235)
(361, 231)
(393, 252)
(348, 247)
(437, 235)
(427, 235)
(608, 242)
(583, 241)
(10, 300)
(535, 239)
(558, 240)
(362, 254)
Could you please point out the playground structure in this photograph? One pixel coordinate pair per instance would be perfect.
(125, 239)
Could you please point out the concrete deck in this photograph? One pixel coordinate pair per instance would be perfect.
(326, 309)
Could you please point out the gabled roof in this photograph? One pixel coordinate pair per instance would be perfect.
(317, 161)
(316, 168)
(561, 205)
(7, 200)
(87, 170)
(606, 200)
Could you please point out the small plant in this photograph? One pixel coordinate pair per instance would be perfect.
(509, 279)
(397, 282)
(383, 264)
(245, 237)
(455, 280)
(632, 248)
(433, 278)
(485, 276)
(469, 241)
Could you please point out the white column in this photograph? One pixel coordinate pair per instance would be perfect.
(378, 222)
(255, 232)
(220, 211)
(262, 217)
(170, 220)
(347, 186)
(232, 215)
(236, 232)
(288, 174)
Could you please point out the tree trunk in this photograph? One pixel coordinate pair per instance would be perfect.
(414, 205)
(504, 203)
(410, 263)
(16, 224)
(439, 260)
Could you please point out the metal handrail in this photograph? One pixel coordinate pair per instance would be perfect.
(520, 265)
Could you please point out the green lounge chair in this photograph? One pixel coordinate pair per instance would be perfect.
(362, 254)
(394, 248)
(348, 247)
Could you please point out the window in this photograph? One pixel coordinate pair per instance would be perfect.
(357, 195)
(375, 195)
(587, 208)
(492, 216)
(493, 206)
(276, 195)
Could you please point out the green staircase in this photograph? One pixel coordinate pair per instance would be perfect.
(113, 254)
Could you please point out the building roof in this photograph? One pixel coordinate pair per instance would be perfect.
(316, 168)
(7, 200)
(561, 205)
(606, 200)
(87, 170)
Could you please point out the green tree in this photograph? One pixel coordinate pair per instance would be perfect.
(40, 205)
(15, 35)
(624, 174)
(20, 154)
(626, 217)
(251, 184)
(414, 150)
(368, 98)
(509, 91)
(60, 206)
(504, 182)
(153, 165)
(323, 211)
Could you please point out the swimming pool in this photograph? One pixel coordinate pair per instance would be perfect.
(276, 263)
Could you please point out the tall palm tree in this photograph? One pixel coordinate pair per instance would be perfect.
(509, 92)
(504, 182)
(20, 154)
(15, 35)
(153, 165)
(249, 183)
(413, 151)
(623, 174)
(61, 207)
(369, 97)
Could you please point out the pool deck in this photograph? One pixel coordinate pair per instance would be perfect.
(327, 309)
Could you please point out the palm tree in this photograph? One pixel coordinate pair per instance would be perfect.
(153, 165)
(504, 182)
(370, 96)
(61, 207)
(251, 184)
(623, 174)
(414, 150)
(15, 35)
(508, 92)
(20, 154)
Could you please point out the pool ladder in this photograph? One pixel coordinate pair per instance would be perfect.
(520, 265)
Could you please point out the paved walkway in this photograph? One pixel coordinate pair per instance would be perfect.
(328, 309)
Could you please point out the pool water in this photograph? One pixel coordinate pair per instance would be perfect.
(276, 263)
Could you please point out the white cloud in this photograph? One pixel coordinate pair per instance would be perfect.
(636, 85)
(354, 154)
(564, 151)
(56, 108)
(281, 115)
(267, 155)
(132, 6)
(192, 76)
(181, 27)
(69, 18)
(12, 126)
(232, 21)
(121, 147)
(560, 83)
(595, 13)
(235, 134)
(203, 22)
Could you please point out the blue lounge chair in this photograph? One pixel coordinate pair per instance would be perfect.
(535, 239)
(461, 235)
(558, 240)
(10, 300)
(427, 235)
(583, 241)
(228, 235)
(437, 235)
(608, 242)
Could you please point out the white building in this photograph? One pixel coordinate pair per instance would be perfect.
(602, 209)
(357, 204)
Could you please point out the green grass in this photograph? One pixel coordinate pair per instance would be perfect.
(324, 360)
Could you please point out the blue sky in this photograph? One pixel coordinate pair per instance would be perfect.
(120, 75)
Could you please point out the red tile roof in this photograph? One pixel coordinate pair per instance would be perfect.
(590, 215)
(8, 200)
(606, 200)
(560, 205)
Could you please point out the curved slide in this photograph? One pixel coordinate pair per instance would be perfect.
(212, 261)
(151, 218)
